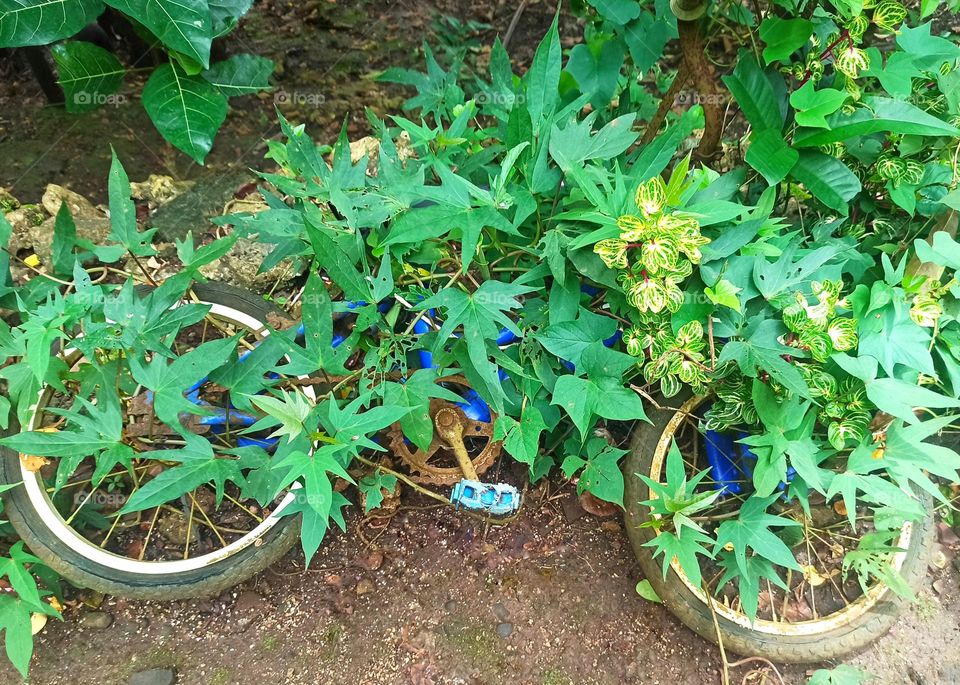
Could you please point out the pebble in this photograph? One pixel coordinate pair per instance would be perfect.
(97, 620)
(504, 629)
(248, 600)
(155, 676)
(450, 606)
(500, 611)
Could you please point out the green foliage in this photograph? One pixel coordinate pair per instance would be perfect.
(570, 274)
(185, 99)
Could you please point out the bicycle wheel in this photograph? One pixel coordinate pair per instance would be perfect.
(818, 618)
(191, 547)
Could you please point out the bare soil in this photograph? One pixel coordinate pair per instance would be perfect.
(432, 597)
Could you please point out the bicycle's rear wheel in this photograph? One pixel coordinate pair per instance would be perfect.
(832, 635)
(50, 535)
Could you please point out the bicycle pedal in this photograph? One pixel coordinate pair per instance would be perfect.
(496, 499)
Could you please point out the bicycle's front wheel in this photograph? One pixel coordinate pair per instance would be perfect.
(189, 548)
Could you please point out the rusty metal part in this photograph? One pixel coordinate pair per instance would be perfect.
(446, 416)
(450, 430)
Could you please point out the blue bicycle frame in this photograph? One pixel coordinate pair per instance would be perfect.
(730, 462)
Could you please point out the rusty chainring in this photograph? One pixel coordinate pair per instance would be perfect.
(419, 461)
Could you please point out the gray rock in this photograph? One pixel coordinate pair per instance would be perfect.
(501, 612)
(96, 620)
(241, 267)
(92, 228)
(79, 206)
(504, 629)
(190, 210)
(155, 676)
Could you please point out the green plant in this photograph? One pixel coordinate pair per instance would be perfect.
(624, 270)
(185, 98)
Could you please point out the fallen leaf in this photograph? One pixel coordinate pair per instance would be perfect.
(33, 464)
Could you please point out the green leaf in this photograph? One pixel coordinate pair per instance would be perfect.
(123, 213)
(952, 200)
(197, 465)
(596, 67)
(752, 530)
(353, 428)
(601, 393)
(98, 429)
(880, 115)
(338, 264)
(372, 486)
(240, 74)
(575, 144)
(224, 14)
(169, 381)
(522, 438)
(770, 155)
(813, 105)
(481, 314)
(753, 90)
(789, 272)
(290, 410)
(187, 110)
(761, 348)
(568, 339)
(827, 178)
(18, 633)
(683, 546)
(645, 590)
(724, 294)
(601, 475)
(542, 80)
(890, 336)
(618, 11)
(783, 37)
(87, 73)
(64, 239)
(181, 25)
(415, 394)
(41, 22)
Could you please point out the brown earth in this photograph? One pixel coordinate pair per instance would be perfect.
(437, 598)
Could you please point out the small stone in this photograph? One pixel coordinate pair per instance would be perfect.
(79, 206)
(248, 600)
(504, 629)
(372, 561)
(97, 620)
(450, 606)
(155, 676)
(500, 611)
(939, 559)
(365, 587)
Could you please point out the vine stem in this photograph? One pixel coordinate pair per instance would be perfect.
(725, 671)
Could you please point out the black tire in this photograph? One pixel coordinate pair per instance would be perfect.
(696, 614)
(209, 580)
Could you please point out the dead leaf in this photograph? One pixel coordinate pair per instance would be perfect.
(33, 464)
(596, 506)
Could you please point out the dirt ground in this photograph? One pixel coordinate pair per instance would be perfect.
(432, 597)
(436, 598)
(328, 54)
